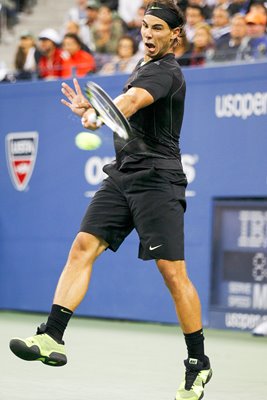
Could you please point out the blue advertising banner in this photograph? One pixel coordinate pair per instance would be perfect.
(46, 183)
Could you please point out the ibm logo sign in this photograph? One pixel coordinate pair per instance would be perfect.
(253, 228)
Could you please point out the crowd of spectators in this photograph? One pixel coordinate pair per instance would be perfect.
(11, 9)
(224, 31)
(104, 37)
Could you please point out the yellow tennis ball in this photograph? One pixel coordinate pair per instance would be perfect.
(87, 141)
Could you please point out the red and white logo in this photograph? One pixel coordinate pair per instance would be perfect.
(21, 151)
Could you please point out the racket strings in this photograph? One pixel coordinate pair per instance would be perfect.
(107, 110)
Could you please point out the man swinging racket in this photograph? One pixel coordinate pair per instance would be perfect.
(145, 190)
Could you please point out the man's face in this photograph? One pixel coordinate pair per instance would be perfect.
(92, 14)
(193, 16)
(125, 48)
(255, 30)
(46, 46)
(238, 28)
(70, 45)
(201, 38)
(157, 37)
(105, 14)
(220, 18)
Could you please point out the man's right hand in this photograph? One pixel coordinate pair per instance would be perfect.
(90, 120)
(76, 100)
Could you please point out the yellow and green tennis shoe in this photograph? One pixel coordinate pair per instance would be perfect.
(197, 374)
(40, 347)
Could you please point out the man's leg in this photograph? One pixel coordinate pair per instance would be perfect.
(75, 278)
(188, 310)
(74, 282)
(184, 294)
(47, 346)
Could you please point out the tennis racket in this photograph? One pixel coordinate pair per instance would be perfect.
(106, 110)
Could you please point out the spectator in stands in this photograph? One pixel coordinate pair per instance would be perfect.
(112, 4)
(92, 8)
(258, 6)
(182, 4)
(74, 27)
(194, 15)
(126, 58)
(232, 48)
(238, 6)
(10, 12)
(206, 9)
(182, 51)
(82, 63)
(53, 62)
(128, 11)
(203, 45)
(256, 31)
(107, 31)
(134, 26)
(220, 23)
(25, 6)
(26, 57)
(77, 13)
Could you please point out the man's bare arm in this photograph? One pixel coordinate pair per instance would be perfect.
(133, 100)
(128, 103)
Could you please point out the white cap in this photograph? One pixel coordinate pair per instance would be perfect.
(50, 34)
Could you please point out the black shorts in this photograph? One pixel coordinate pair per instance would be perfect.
(147, 200)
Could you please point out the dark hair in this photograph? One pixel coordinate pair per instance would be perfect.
(260, 3)
(220, 7)
(20, 58)
(172, 4)
(197, 7)
(74, 37)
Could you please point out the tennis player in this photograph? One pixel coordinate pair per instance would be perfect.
(145, 190)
